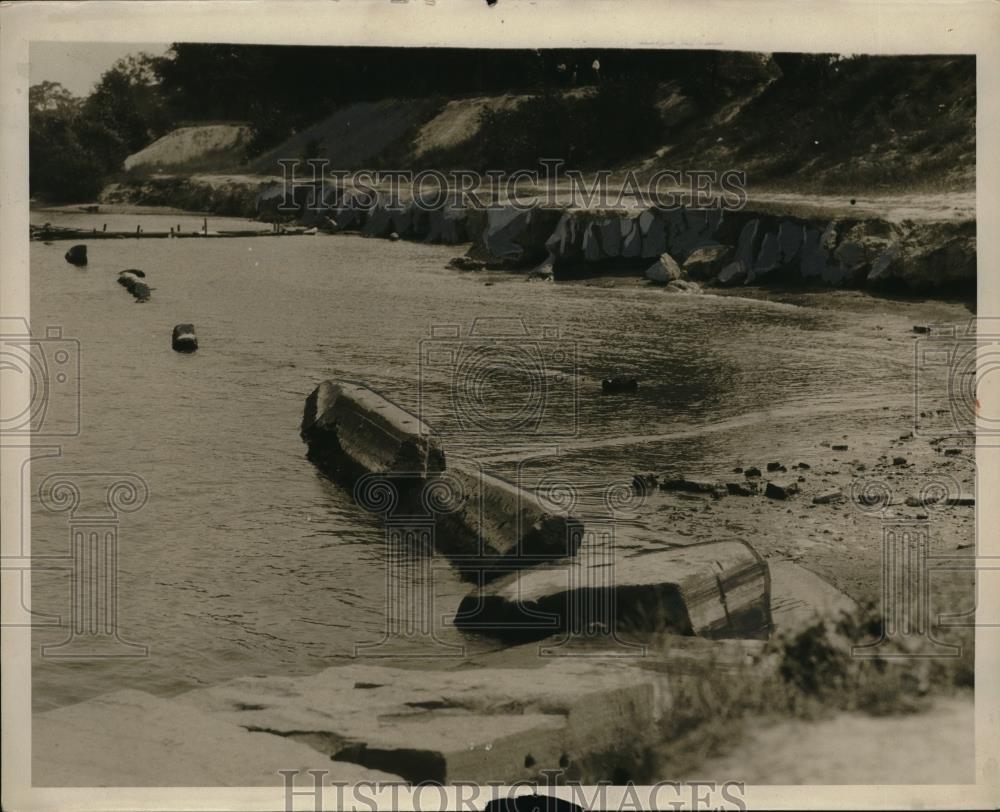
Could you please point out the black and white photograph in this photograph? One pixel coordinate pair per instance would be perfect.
(407, 405)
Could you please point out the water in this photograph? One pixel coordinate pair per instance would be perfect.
(245, 560)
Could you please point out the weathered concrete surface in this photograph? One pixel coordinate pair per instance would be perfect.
(133, 739)
(353, 430)
(718, 589)
(492, 523)
(464, 724)
(800, 597)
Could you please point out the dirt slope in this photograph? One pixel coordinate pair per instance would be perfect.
(192, 149)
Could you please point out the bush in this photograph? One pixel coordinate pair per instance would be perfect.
(600, 129)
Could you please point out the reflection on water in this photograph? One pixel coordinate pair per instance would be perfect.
(246, 560)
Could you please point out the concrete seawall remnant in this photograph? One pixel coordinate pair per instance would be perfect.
(352, 430)
(483, 522)
(712, 589)
(510, 527)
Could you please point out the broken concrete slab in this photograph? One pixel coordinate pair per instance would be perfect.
(471, 723)
(353, 430)
(133, 739)
(493, 523)
(800, 598)
(713, 589)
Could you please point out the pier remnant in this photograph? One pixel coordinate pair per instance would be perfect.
(184, 338)
(77, 255)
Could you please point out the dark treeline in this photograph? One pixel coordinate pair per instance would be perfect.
(277, 90)
(78, 144)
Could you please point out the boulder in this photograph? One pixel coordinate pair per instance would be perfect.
(352, 430)
(928, 256)
(184, 338)
(466, 264)
(664, 270)
(691, 485)
(707, 261)
(828, 497)
(490, 524)
(714, 589)
(653, 232)
(744, 488)
(682, 286)
(614, 386)
(781, 490)
(733, 274)
(77, 255)
(133, 739)
(516, 238)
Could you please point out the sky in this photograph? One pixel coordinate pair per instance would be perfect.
(78, 65)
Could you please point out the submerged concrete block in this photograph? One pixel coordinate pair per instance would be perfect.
(496, 524)
(353, 430)
(133, 739)
(714, 589)
(184, 338)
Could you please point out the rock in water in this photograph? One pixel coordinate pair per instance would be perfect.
(184, 339)
(610, 386)
(707, 261)
(131, 280)
(781, 490)
(77, 255)
(664, 270)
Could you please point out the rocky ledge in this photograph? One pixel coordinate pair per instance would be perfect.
(761, 244)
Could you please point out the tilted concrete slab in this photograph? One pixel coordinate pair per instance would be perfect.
(133, 739)
(353, 430)
(715, 589)
(494, 524)
(800, 598)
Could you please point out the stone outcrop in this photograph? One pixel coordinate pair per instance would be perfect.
(184, 338)
(715, 589)
(77, 255)
(352, 430)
